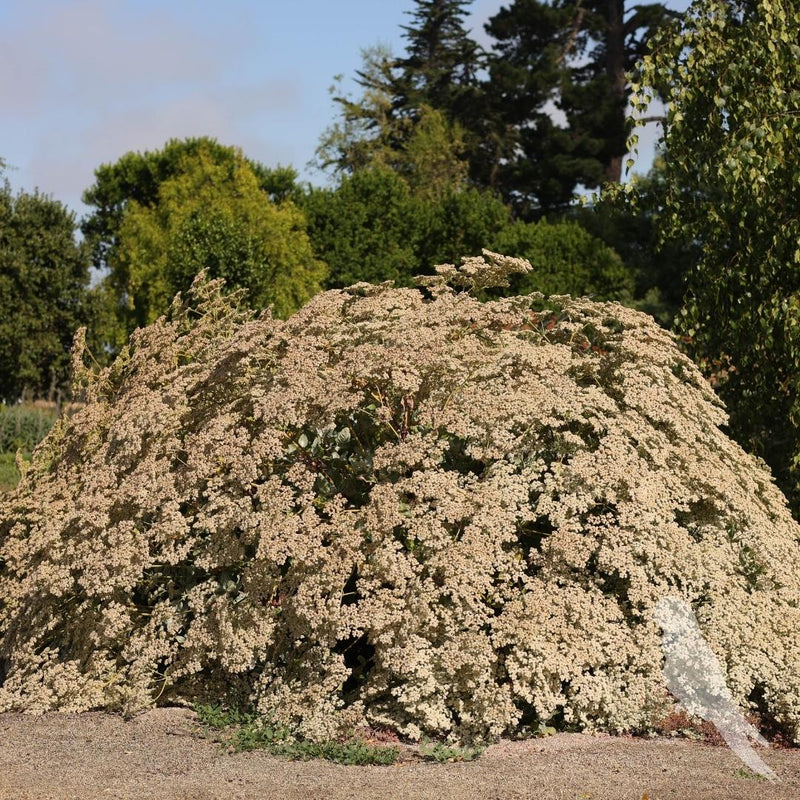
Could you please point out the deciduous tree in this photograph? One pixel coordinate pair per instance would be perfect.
(212, 216)
(137, 177)
(565, 260)
(375, 227)
(732, 80)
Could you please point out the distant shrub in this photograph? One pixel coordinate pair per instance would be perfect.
(399, 507)
(566, 259)
(23, 427)
(373, 228)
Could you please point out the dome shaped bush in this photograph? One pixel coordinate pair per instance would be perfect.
(401, 507)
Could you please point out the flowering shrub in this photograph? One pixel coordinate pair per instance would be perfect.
(398, 507)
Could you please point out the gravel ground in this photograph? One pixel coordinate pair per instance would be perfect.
(160, 755)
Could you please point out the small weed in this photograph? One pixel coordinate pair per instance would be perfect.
(748, 774)
(249, 731)
(218, 717)
(444, 753)
(588, 796)
(536, 731)
(352, 753)
(544, 730)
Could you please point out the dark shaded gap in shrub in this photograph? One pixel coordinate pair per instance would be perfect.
(770, 727)
(529, 537)
(457, 459)
(359, 658)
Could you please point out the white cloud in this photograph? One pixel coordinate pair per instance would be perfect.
(99, 51)
(91, 80)
(59, 166)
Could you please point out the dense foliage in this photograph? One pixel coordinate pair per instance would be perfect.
(137, 177)
(364, 229)
(44, 277)
(574, 55)
(374, 227)
(633, 228)
(733, 178)
(566, 260)
(211, 214)
(566, 56)
(399, 506)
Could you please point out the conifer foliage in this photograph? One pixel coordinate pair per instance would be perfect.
(440, 68)
(538, 113)
(557, 95)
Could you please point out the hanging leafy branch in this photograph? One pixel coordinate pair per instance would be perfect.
(731, 76)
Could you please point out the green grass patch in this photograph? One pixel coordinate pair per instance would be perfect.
(9, 476)
(23, 427)
(241, 731)
(247, 731)
(748, 774)
(443, 753)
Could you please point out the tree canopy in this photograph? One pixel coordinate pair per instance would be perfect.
(567, 59)
(566, 259)
(44, 275)
(633, 230)
(378, 226)
(439, 72)
(441, 66)
(539, 114)
(212, 215)
(428, 150)
(137, 177)
(374, 227)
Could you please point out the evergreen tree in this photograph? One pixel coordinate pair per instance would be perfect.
(568, 56)
(440, 69)
(439, 74)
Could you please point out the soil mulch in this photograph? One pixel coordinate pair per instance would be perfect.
(160, 755)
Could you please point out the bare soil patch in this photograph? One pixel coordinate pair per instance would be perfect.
(160, 756)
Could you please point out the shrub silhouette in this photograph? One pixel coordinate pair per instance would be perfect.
(398, 507)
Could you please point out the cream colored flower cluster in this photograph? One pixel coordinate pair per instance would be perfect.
(405, 507)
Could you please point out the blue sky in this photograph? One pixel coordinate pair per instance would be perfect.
(84, 81)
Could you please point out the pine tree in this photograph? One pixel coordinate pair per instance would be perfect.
(441, 66)
(568, 56)
(437, 78)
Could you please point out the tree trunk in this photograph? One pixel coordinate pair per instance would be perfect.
(615, 70)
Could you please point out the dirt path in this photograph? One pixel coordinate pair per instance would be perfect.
(158, 756)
